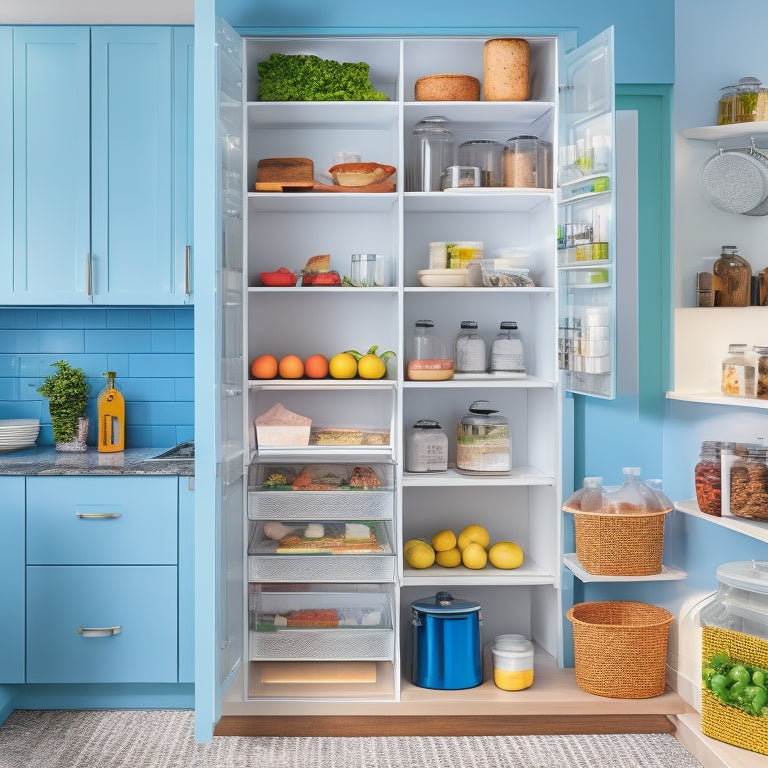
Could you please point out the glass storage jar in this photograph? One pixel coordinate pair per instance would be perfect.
(469, 349)
(708, 478)
(744, 102)
(749, 482)
(507, 354)
(761, 372)
(732, 278)
(482, 440)
(527, 162)
(426, 448)
(486, 155)
(431, 154)
(738, 374)
(428, 359)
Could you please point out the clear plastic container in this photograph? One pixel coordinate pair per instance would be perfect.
(432, 153)
(632, 497)
(588, 498)
(428, 358)
(487, 155)
(708, 478)
(507, 354)
(749, 482)
(527, 162)
(738, 374)
(426, 448)
(761, 371)
(482, 440)
(469, 349)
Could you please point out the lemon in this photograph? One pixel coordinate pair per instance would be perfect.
(371, 365)
(474, 533)
(506, 554)
(449, 558)
(474, 556)
(443, 540)
(342, 366)
(419, 555)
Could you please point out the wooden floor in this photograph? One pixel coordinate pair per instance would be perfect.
(440, 725)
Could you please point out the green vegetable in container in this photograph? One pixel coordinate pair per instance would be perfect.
(305, 77)
(738, 685)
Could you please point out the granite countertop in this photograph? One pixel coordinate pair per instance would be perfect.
(46, 460)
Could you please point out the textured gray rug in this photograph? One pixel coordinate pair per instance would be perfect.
(163, 739)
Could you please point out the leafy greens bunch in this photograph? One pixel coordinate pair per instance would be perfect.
(305, 77)
(738, 685)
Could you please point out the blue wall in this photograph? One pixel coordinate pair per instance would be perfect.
(151, 349)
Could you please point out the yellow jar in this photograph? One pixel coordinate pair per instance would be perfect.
(512, 662)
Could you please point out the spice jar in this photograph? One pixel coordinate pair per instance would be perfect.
(738, 374)
(482, 440)
(426, 448)
(761, 366)
(708, 478)
(469, 349)
(507, 355)
(732, 278)
(749, 482)
(427, 357)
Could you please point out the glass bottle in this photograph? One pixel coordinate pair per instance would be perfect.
(732, 278)
(633, 497)
(469, 349)
(507, 355)
(432, 153)
(111, 414)
(738, 374)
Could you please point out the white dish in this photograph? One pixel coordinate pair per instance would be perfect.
(443, 278)
(17, 447)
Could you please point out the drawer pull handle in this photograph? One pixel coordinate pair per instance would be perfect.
(99, 631)
(99, 515)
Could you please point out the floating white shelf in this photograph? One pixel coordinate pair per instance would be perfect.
(753, 528)
(668, 573)
(717, 132)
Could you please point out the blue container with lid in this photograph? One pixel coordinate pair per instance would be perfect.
(445, 643)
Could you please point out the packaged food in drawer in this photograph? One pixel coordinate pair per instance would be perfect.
(321, 491)
(320, 625)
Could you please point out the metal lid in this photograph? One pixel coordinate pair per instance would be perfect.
(444, 602)
(425, 324)
(426, 424)
(469, 324)
(746, 574)
(508, 325)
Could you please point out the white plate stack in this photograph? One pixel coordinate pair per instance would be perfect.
(18, 433)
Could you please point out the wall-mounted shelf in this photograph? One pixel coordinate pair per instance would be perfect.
(718, 132)
(753, 528)
(668, 572)
(714, 398)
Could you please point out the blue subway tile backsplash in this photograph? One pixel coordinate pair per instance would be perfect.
(150, 349)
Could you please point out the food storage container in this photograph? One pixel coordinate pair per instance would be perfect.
(732, 278)
(708, 478)
(507, 354)
(482, 441)
(469, 349)
(445, 642)
(485, 154)
(512, 662)
(749, 482)
(426, 448)
(527, 162)
(734, 645)
(761, 366)
(431, 154)
(738, 374)
(744, 102)
(428, 358)
(460, 176)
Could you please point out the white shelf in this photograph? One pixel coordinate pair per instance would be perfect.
(322, 202)
(668, 573)
(717, 132)
(486, 290)
(752, 528)
(529, 573)
(525, 476)
(506, 200)
(321, 384)
(714, 398)
(484, 380)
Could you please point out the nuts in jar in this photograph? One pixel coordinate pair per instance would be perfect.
(749, 483)
(708, 476)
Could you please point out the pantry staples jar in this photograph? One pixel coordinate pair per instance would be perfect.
(749, 482)
(708, 478)
(527, 162)
(761, 366)
(469, 349)
(482, 440)
(732, 278)
(426, 448)
(431, 154)
(486, 155)
(738, 374)
(512, 662)
(507, 354)
(428, 358)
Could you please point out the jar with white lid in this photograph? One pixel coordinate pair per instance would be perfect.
(426, 447)
(741, 601)
(469, 349)
(512, 662)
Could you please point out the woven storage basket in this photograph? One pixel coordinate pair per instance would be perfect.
(620, 648)
(718, 720)
(620, 545)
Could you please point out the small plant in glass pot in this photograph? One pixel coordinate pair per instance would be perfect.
(67, 391)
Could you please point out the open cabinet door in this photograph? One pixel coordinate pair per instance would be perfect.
(587, 259)
(219, 368)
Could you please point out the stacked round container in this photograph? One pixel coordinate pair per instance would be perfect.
(512, 662)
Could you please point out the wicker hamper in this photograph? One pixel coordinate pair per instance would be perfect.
(620, 648)
(718, 720)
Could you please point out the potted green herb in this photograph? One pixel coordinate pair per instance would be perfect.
(67, 391)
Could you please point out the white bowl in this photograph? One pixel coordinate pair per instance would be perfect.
(443, 278)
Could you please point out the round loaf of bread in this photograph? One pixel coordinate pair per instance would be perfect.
(447, 88)
(506, 65)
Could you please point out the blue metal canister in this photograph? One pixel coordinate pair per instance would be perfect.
(445, 643)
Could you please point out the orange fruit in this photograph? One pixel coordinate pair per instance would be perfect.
(264, 367)
(291, 367)
(316, 366)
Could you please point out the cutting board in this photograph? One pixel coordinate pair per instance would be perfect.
(285, 169)
(318, 672)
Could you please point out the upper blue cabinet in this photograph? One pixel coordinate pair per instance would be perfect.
(101, 190)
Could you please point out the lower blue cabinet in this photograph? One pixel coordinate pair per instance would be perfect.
(101, 624)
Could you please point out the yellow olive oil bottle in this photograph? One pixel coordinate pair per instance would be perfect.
(111, 411)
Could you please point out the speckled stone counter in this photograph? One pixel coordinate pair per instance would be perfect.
(46, 460)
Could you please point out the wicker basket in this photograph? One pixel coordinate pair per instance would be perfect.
(620, 545)
(718, 720)
(620, 648)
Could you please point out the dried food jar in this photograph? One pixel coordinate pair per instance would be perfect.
(469, 349)
(761, 369)
(426, 448)
(749, 482)
(708, 478)
(431, 154)
(527, 162)
(485, 154)
(738, 374)
(507, 354)
(744, 102)
(732, 278)
(428, 358)
(482, 440)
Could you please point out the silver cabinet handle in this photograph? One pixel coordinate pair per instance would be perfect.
(99, 631)
(88, 274)
(187, 276)
(99, 515)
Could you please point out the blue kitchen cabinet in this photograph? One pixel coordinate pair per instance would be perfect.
(6, 155)
(101, 147)
(12, 580)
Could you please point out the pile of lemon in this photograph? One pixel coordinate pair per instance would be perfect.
(471, 548)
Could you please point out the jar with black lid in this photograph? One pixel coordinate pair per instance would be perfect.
(469, 349)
